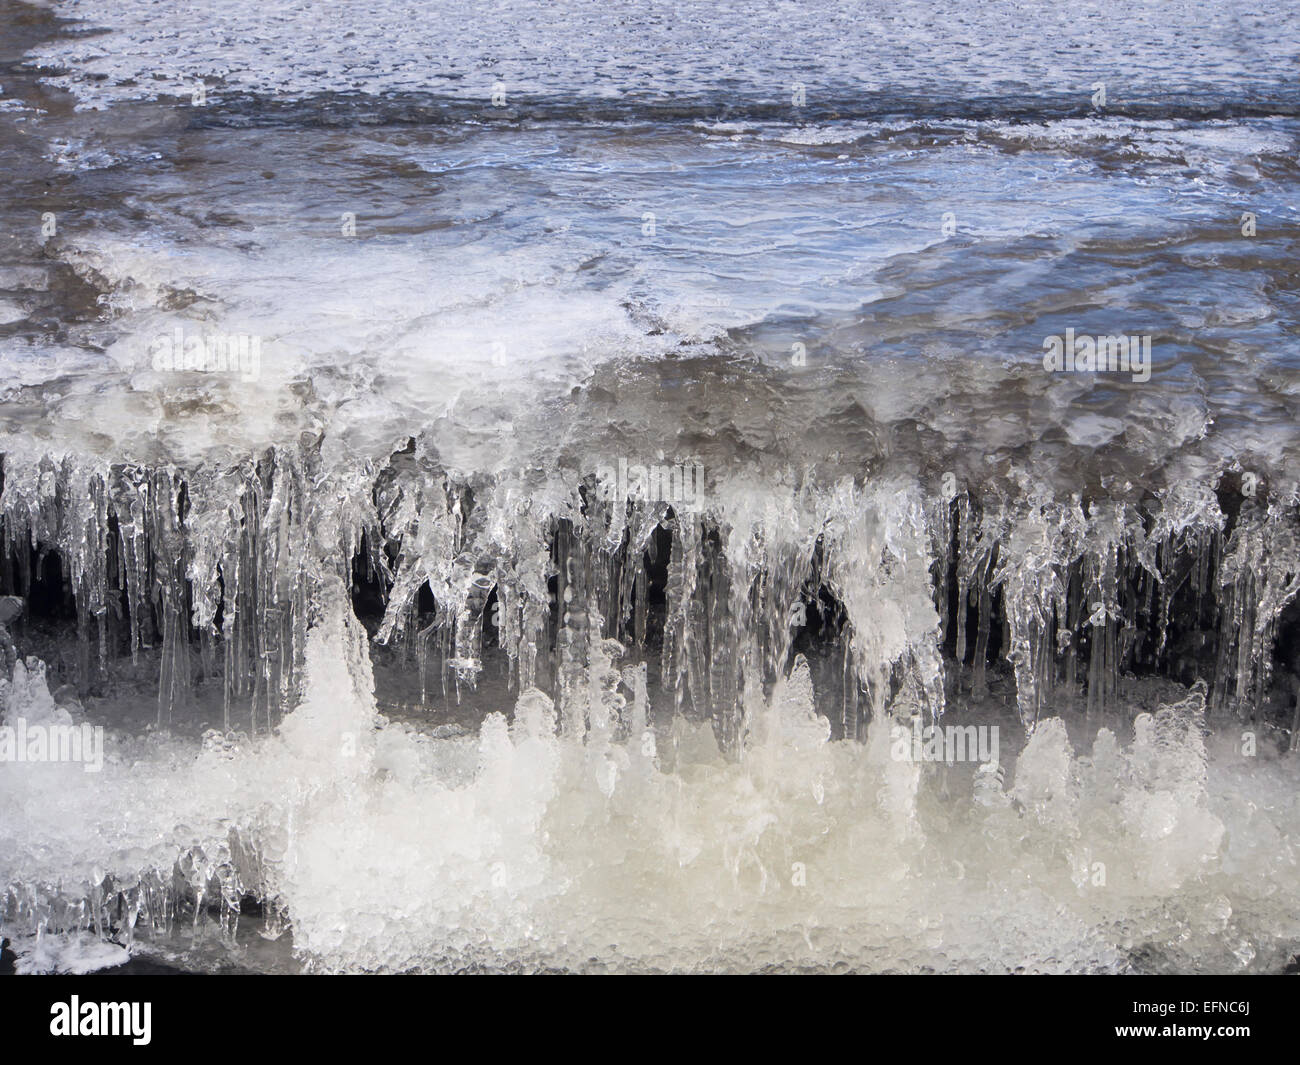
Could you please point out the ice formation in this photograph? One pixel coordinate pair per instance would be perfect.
(391, 680)
(663, 757)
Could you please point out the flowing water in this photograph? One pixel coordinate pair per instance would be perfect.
(511, 483)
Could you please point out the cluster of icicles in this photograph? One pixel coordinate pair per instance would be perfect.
(213, 571)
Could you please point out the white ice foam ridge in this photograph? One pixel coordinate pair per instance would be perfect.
(605, 844)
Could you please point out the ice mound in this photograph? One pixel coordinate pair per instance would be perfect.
(617, 846)
(72, 954)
